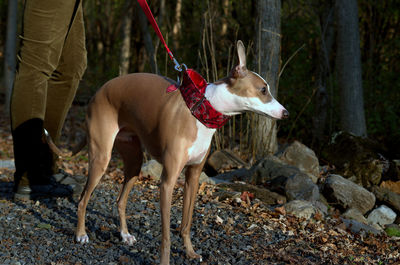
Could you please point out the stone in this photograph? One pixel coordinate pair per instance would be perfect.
(269, 168)
(302, 157)
(284, 179)
(354, 214)
(356, 158)
(301, 187)
(381, 216)
(387, 196)
(360, 228)
(204, 178)
(264, 195)
(348, 194)
(301, 209)
(152, 168)
(224, 160)
(242, 174)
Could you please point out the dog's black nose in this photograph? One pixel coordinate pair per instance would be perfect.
(285, 114)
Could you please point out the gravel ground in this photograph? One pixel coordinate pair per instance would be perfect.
(42, 232)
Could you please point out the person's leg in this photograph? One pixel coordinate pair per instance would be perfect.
(45, 27)
(64, 81)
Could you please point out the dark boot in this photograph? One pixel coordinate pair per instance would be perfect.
(33, 164)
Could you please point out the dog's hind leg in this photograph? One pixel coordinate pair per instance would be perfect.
(102, 129)
(132, 156)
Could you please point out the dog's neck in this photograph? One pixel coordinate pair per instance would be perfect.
(221, 99)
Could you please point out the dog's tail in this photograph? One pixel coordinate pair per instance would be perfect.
(53, 147)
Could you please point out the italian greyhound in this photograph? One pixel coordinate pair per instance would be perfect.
(134, 110)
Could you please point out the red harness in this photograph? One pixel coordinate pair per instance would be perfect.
(192, 89)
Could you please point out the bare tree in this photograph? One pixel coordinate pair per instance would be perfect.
(348, 64)
(268, 44)
(326, 20)
(148, 43)
(10, 50)
(126, 39)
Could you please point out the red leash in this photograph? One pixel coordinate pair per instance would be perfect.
(193, 84)
(150, 17)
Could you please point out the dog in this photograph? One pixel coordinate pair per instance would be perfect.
(135, 111)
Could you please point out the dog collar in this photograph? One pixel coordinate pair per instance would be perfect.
(192, 89)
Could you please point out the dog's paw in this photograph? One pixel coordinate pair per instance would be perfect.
(82, 239)
(128, 238)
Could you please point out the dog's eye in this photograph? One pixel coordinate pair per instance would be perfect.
(263, 90)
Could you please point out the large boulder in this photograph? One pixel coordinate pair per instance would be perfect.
(285, 179)
(347, 194)
(356, 158)
(302, 157)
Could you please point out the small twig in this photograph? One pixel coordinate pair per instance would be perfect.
(290, 58)
(301, 112)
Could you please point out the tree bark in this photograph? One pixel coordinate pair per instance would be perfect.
(326, 19)
(10, 51)
(268, 45)
(148, 43)
(126, 40)
(348, 63)
(225, 8)
(178, 24)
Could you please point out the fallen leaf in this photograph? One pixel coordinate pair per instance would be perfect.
(281, 210)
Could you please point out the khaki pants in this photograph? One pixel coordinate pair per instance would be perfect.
(51, 61)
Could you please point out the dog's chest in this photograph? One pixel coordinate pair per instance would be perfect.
(200, 146)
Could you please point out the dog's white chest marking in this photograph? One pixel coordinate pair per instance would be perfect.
(200, 146)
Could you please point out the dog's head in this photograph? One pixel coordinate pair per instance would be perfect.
(245, 90)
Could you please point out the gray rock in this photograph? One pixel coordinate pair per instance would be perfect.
(348, 194)
(355, 214)
(265, 195)
(222, 160)
(381, 216)
(360, 228)
(387, 196)
(301, 187)
(152, 168)
(301, 209)
(302, 157)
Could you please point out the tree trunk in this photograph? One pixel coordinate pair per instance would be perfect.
(225, 8)
(177, 25)
(348, 63)
(148, 43)
(126, 40)
(10, 51)
(268, 45)
(326, 19)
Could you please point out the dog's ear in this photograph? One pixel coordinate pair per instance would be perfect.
(240, 70)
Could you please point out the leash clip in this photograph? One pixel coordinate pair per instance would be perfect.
(178, 67)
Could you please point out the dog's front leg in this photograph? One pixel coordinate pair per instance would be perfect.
(189, 198)
(170, 174)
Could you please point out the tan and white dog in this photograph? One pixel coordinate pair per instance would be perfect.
(134, 110)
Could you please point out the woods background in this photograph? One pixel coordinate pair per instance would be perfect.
(333, 64)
